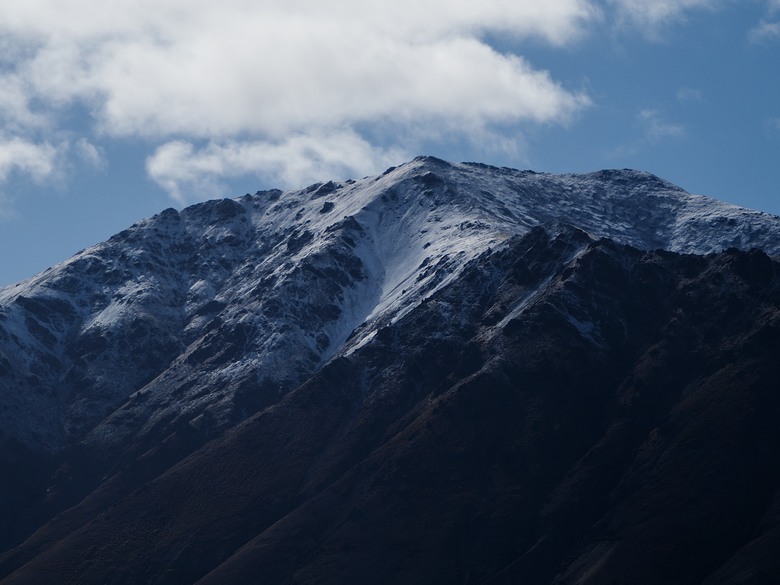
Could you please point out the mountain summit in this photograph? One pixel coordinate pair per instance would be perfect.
(445, 373)
(264, 289)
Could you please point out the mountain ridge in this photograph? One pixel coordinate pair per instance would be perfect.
(391, 294)
(373, 237)
(504, 449)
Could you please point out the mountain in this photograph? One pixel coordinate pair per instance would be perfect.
(446, 373)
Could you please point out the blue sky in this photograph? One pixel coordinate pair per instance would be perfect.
(112, 113)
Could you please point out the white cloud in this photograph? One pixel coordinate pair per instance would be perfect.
(208, 70)
(242, 82)
(241, 72)
(188, 173)
(16, 113)
(178, 19)
(39, 161)
(451, 80)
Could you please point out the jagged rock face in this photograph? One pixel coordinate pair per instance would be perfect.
(444, 390)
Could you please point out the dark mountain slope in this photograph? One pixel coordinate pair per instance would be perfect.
(126, 358)
(568, 410)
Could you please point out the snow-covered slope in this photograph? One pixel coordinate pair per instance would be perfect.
(203, 316)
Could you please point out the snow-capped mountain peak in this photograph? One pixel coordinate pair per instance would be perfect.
(191, 312)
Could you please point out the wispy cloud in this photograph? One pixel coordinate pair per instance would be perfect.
(654, 17)
(768, 29)
(90, 154)
(765, 32)
(654, 130)
(651, 16)
(689, 94)
(656, 127)
(6, 207)
(772, 125)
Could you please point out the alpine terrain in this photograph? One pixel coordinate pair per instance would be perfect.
(448, 373)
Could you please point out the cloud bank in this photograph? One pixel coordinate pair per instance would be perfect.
(279, 86)
(284, 90)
